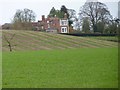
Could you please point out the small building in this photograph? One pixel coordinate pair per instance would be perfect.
(7, 26)
(54, 24)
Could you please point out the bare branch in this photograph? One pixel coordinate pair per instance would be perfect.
(9, 42)
(6, 39)
(12, 37)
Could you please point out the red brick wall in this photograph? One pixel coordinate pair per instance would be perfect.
(54, 22)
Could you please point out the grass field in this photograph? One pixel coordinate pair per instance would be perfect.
(43, 60)
(0, 60)
(0, 68)
(86, 67)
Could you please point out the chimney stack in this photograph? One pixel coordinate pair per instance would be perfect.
(43, 17)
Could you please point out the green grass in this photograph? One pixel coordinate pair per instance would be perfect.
(68, 68)
(0, 68)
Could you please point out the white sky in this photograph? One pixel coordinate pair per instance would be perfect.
(42, 7)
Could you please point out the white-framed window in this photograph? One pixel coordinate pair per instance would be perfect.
(64, 30)
(63, 22)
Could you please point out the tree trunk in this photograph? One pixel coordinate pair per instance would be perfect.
(95, 28)
(10, 47)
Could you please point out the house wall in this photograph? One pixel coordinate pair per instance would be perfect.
(50, 23)
(64, 25)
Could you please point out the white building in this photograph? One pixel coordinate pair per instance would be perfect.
(64, 26)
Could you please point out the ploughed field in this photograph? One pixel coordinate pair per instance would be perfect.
(31, 40)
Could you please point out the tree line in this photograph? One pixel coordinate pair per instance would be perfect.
(96, 17)
(93, 17)
(22, 19)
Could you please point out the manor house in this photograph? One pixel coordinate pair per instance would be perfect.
(53, 24)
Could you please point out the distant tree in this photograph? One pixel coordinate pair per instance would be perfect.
(85, 25)
(77, 24)
(118, 25)
(71, 13)
(112, 28)
(72, 16)
(52, 12)
(97, 12)
(23, 18)
(57, 13)
(100, 27)
(64, 10)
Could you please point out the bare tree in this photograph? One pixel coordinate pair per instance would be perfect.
(96, 12)
(9, 42)
(23, 18)
(72, 16)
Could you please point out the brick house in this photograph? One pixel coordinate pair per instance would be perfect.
(54, 24)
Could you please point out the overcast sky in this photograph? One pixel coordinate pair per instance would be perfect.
(42, 7)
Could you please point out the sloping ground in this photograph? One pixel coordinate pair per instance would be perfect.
(32, 40)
